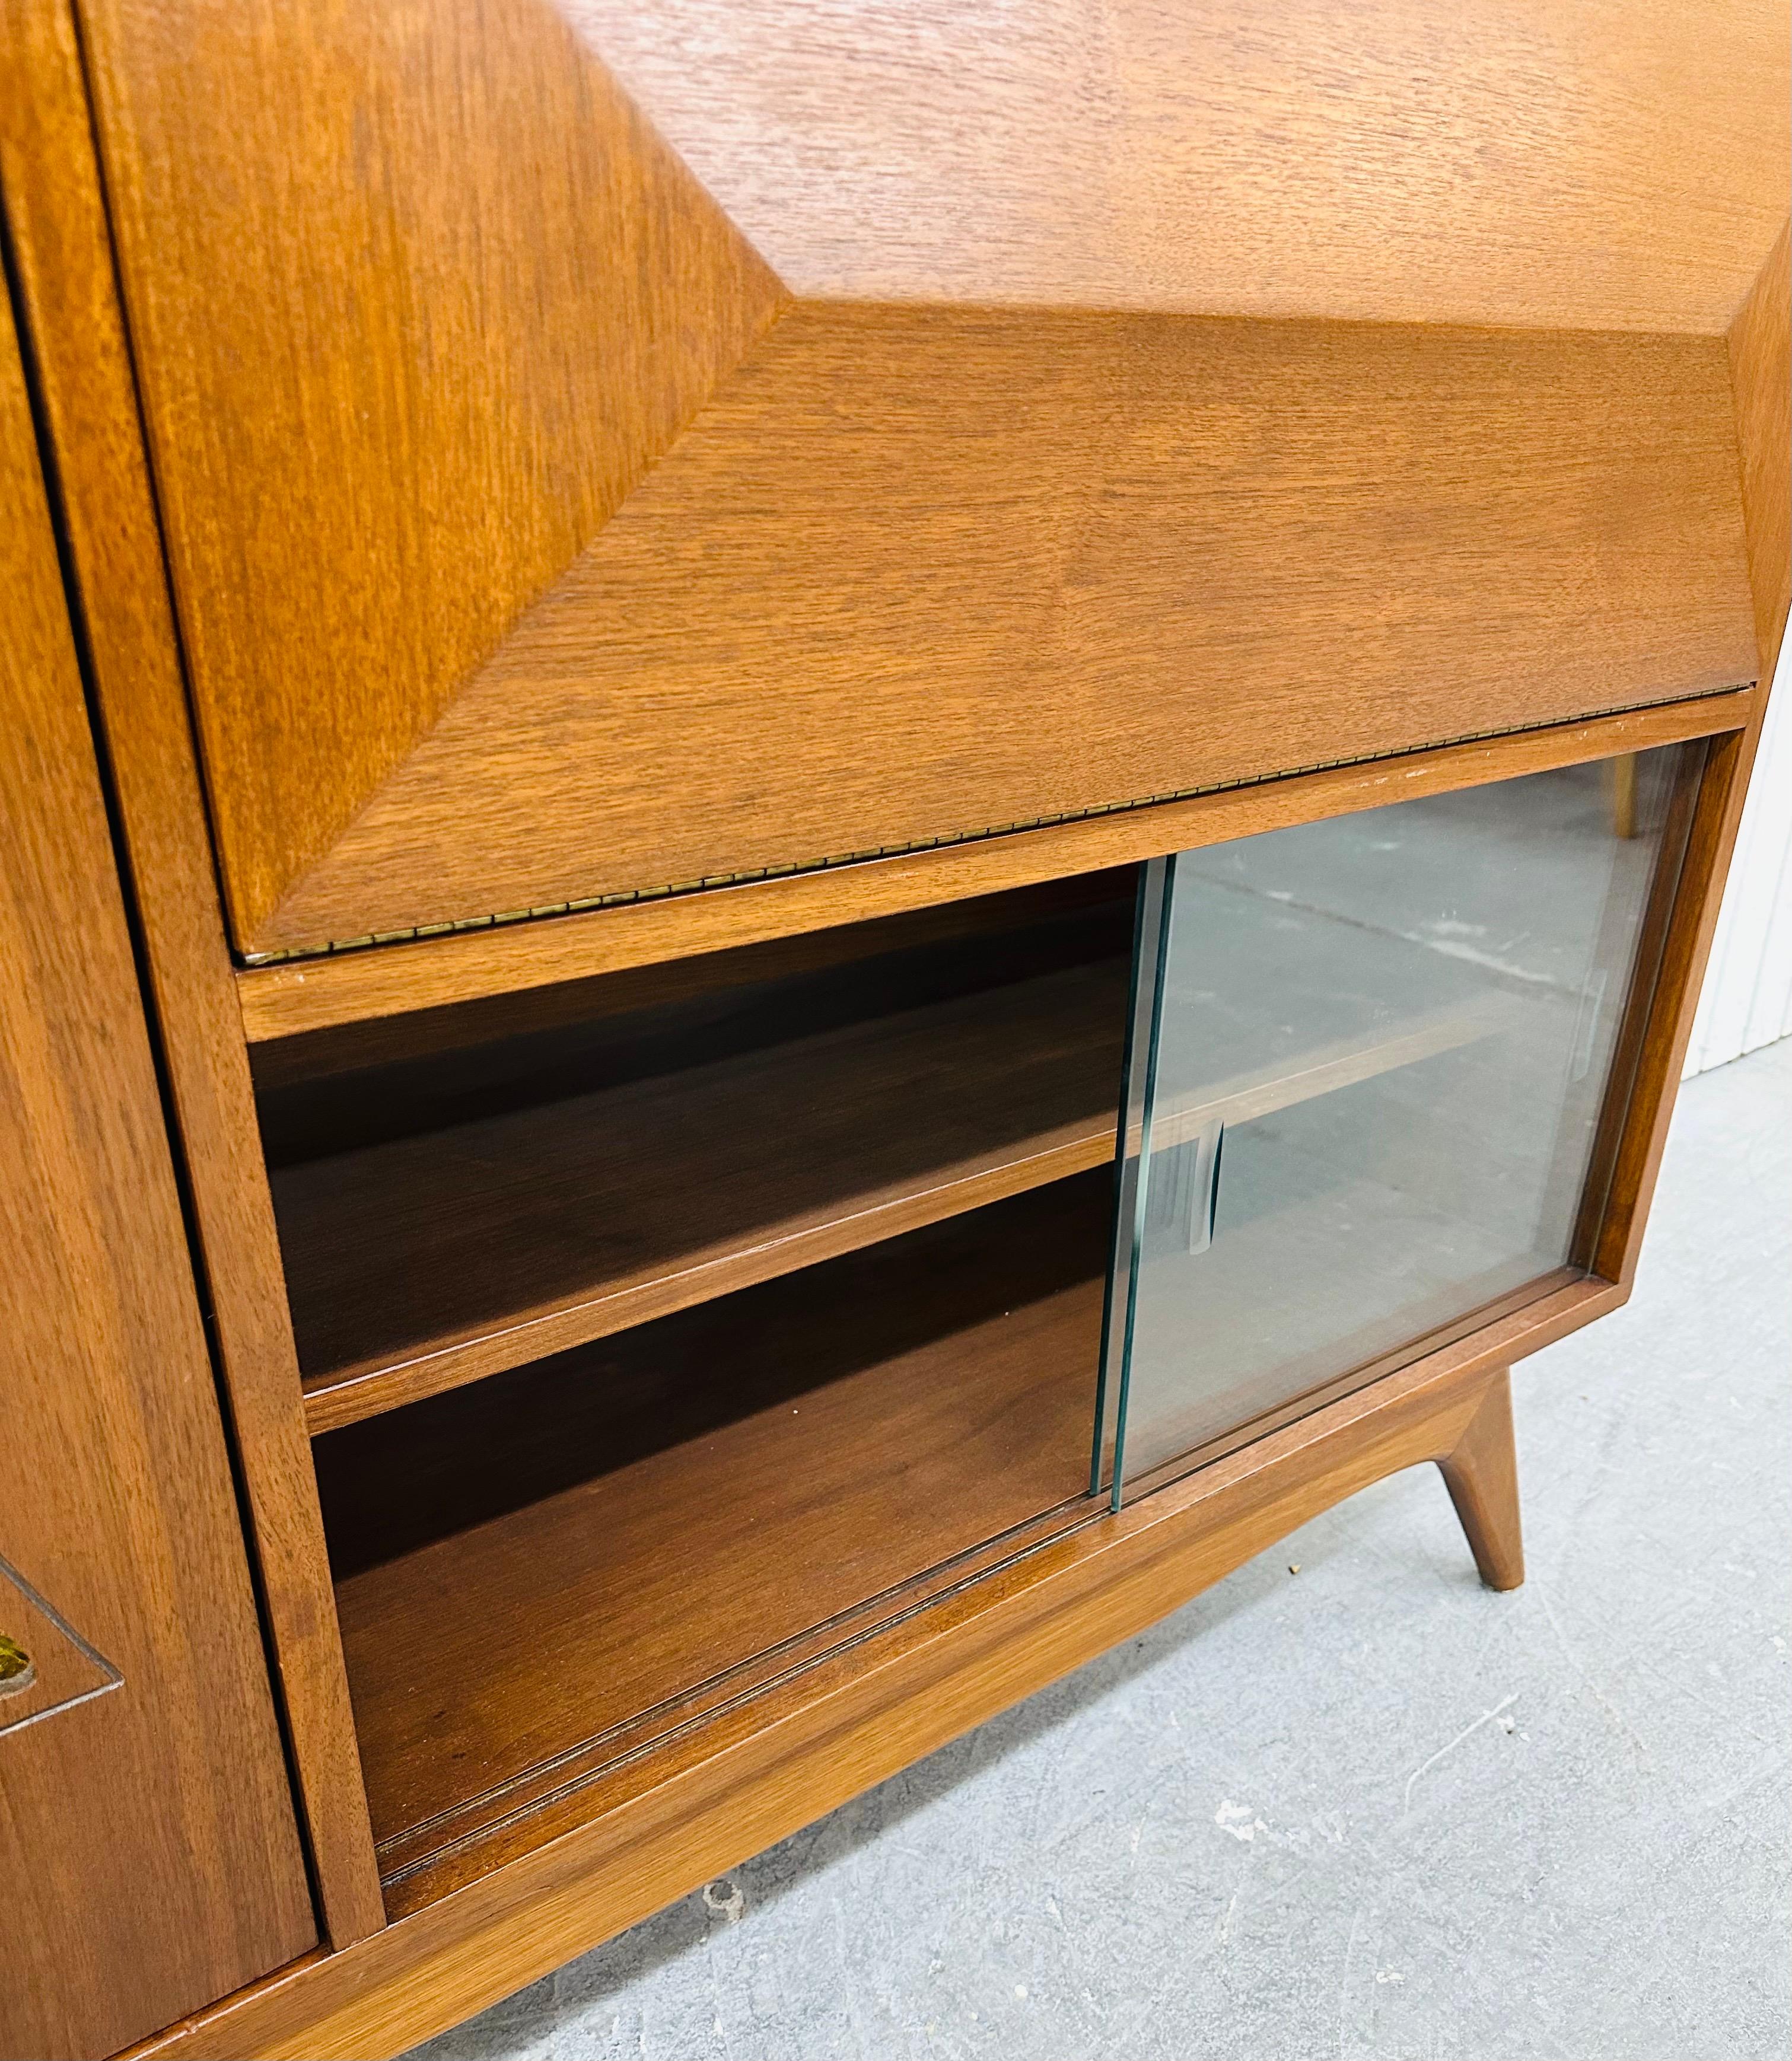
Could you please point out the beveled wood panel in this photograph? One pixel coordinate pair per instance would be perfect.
(913, 574)
(526, 553)
(149, 1859)
(1583, 164)
(418, 298)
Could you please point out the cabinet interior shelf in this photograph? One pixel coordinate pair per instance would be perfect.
(540, 1575)
(420, 1264)
(1341, 1063)
(423, 1263)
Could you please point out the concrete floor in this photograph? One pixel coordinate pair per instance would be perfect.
(1367, 1810)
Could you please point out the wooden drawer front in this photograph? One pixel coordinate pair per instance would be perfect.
(547, 525)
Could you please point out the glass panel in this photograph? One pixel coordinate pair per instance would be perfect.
(1368, 1062)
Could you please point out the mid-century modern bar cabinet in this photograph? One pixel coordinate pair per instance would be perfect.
(834, 834)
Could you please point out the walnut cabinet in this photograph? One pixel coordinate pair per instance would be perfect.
(834, 835)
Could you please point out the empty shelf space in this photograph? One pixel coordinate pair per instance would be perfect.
(540, 1573)
(421, 1262)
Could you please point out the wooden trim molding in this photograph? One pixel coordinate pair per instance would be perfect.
(1716, 816)
(1761, 362)
(1761, 378)
(760, 1772)
(55, 215)
(283, 1000)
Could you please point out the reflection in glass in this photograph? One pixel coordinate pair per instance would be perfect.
(1368, 1063)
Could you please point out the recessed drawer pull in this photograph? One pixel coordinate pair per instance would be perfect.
(17, 1671)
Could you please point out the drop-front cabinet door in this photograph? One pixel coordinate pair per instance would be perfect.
(149, 1857)
(609, 446)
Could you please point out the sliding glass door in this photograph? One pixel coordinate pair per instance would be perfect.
(1370, 1066)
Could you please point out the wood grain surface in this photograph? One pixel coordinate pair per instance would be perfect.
(418, 299)
(778, 1761)
(1572, 164)
(915, 574)
(311, 996)
(1481, 1471)
(150, 1860)
(526, 553)
(57, 225)
(1761, 367)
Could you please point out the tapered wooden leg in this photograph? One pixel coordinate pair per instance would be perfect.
(1482, 1475)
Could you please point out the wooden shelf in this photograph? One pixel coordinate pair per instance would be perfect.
(421, 1264)
(1341, 1063)
(540, 1573)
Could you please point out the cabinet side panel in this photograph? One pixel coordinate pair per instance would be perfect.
(69, 306)
(149, 1857)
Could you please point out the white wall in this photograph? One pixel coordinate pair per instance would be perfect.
(1747, 999)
